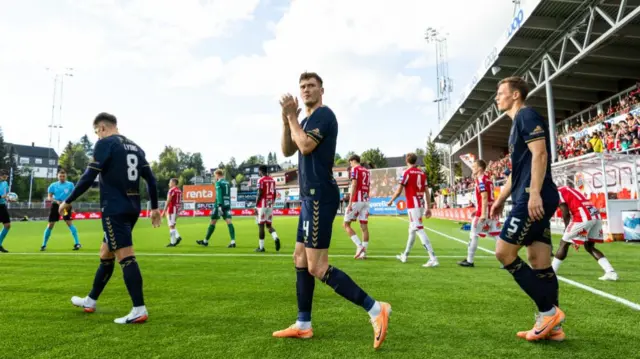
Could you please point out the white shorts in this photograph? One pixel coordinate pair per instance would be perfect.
(264, 215)
(483, 228)
(172, 217)
(415, 218)
(581, 232)
(359, 211)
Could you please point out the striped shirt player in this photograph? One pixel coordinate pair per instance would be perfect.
(414, 182)
(264, 208)
(481, 224)
(358, 208)
(583, 227)
(171, 210)
(586, 224)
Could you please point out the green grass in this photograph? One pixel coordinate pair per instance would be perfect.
(228, 306)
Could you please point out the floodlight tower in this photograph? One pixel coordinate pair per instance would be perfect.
(444, 84)
(56, 124)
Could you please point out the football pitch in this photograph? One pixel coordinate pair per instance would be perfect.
(217, 302)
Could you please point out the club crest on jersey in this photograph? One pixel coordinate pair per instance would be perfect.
(312, 191)
(536, 131)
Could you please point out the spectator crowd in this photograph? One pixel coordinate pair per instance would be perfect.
(616, 129)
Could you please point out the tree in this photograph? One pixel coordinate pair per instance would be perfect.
(274, 159)
(73, 160)
(65, 161)
(432, 165)
(254, 160)
(231, 169)
(457, 167)
(197, 163)
(239, 179)
(269, 159)
(87, 145)
(221, 165)
(375, 157)
(339, 161)
(4, 164)
(421, 153)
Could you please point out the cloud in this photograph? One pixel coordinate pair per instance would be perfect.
(349, 44)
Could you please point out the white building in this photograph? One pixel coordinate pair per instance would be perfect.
(43, 160)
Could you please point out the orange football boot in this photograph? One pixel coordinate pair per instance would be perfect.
(556, 335)
(294, 332)
(544, 325)
(380, 325)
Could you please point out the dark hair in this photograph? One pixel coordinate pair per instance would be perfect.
(310, 75)
(105, 117)
(4, 173)
(263, 169)
(174, 180)
(62, 171)
(412, 158)
(482, 164)
(354, 158)
(516, 83)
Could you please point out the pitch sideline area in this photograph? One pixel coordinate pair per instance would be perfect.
(206, 302)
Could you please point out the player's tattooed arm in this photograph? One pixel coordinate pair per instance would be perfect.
(289, 148)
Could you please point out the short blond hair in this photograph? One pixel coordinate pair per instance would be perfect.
(219, 172)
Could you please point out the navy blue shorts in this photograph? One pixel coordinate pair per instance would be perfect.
(521, 230)
(316, 223)
(118, 230)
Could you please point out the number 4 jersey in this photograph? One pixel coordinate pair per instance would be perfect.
(414, 181)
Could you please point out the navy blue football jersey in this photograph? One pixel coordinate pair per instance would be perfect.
(121, 163)
(528, 126)
(316, 168)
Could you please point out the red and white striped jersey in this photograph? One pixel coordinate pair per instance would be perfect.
(362, 177)
(582, 210)
(267, 186)
(483, 184)
(414, 181)
(174, 197)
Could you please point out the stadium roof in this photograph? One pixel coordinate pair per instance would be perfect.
(591, 47)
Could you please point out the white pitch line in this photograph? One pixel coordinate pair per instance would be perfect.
(214, 255)
(617, 299)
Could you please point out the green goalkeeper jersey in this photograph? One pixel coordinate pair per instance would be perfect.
(223, 194)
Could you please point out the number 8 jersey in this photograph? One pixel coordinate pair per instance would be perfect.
(414, 181)
(120, 162)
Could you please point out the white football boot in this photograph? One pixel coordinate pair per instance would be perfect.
(136, 316)
(86, 303)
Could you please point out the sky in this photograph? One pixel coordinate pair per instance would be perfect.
(206, 76)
